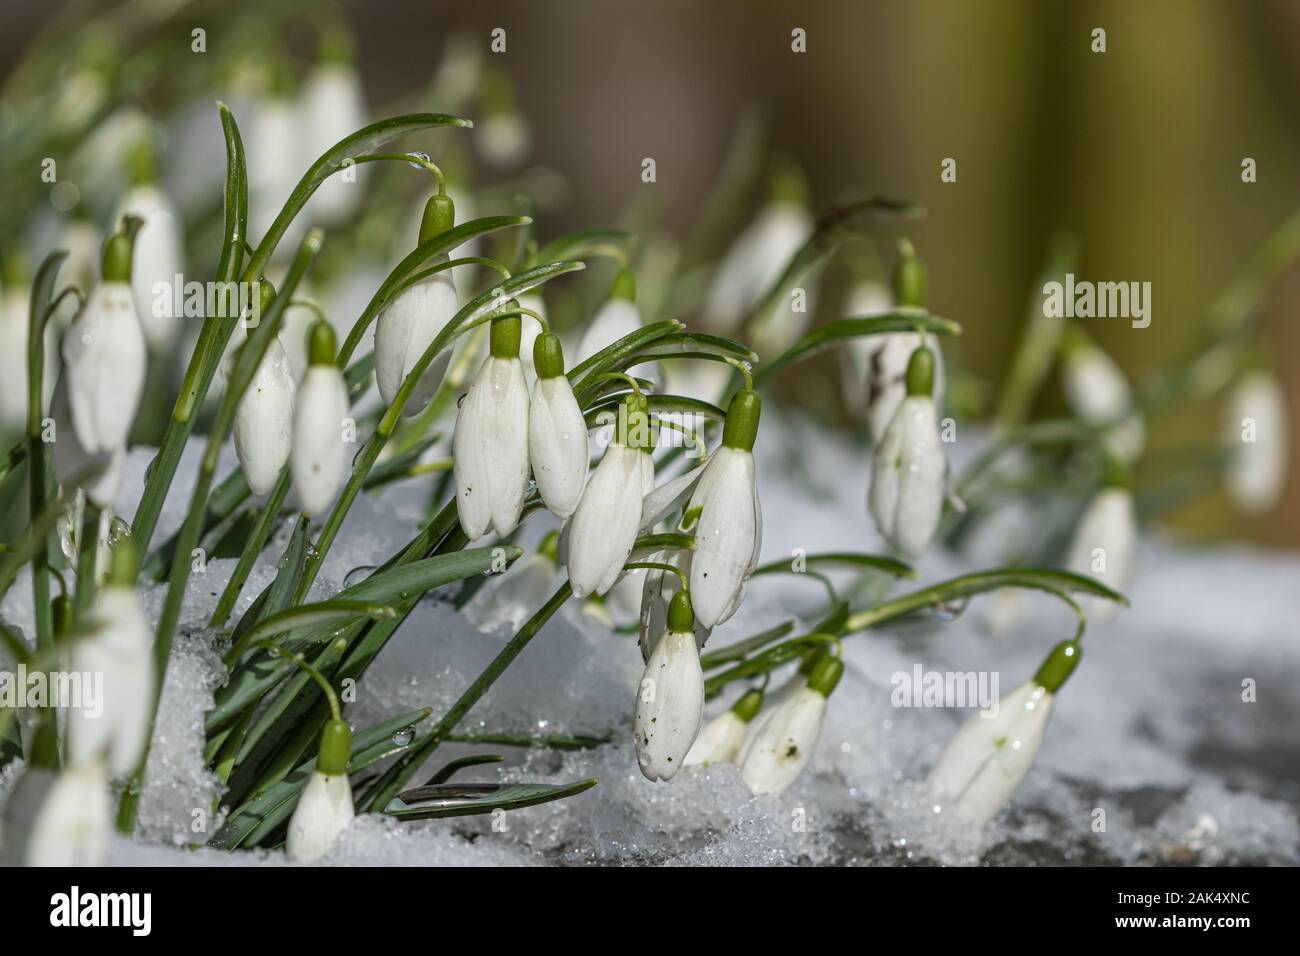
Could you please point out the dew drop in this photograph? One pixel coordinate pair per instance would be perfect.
(950, 610)
(422, 155)
(404, 736)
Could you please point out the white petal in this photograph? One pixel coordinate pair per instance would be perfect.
(324, 811)
(403, 333)
(907, 478)
(264, 420)
(776, 752)
(320, 456)
(73, 825)
(104, 356)
(615, 319)
(490, 449)
(332, 108)
(1095, 388)
(719, 741)
(155, 264)
(557, 445)
(669, 496)
(725, 534)
(604, 526)
(887, 357)
(1255, 433)
(670, 703)
(754, 262)
(1104, 543)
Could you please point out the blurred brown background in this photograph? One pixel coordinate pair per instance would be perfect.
(1137, 151)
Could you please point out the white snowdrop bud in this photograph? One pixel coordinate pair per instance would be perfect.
(780, 745)
(722, 737)
(618, 317)
(755, 261)
(490, 447)
(1255, 433)
(985, 762)
(324, 808)
(72, 824)
(319, 456)
(407, 326)
(1105, 540)
(557, 432)
(604, 527)
(670, 700)
(119, 647)
(264, 420)
(273, 164)
(1097, 391)
(908, 468)
(104, 356)
(729, 532)
(158, 262)
(332, 106)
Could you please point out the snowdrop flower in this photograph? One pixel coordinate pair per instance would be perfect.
(319, 456)
(13, 364)
(657, 589)
(99, 475)
(557, 432)
(618, 317)
(604, 527)
(1097, 391)
(722, 737)
(779, 747)
(908, 468)
(71, 824)
(273, 165)
(1105, 540)
(509, 599)
(670, 702)
(729, 531)
(503, 134)
(985, 762)
(757, 258)
(1255, 430)
(119, 646)
(413, 320)
(324, 809)
(104, 355)
(159, 258)
(264, 420)
(332, 106)
(886, 356)
(490, 447)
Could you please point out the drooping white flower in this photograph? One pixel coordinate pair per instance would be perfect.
(670, 700)
(780, 745)
(264, 420)
(158, 260)
(332, 106)
(1097, 391)
(729, 530)
(754, 262)
(273, 165)
(985, 762)
(1105, 541)
(413, 320)
(101, 474)
(887, 376)
(319, 455)
(721, 738)
(295, 331)
(604, 527)
(657, 590)
(618, 317)
(557, 431)
(908, 468)
(1255, 432)
(119, 646)
(69, 823)
(104, 357)
(324, 808)
(490, 447)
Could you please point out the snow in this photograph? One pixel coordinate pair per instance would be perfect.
(1152, 729)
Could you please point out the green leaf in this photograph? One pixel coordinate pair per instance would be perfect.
(839, 332)
(583, 244)
(660, 405)
(449, 770)
(584, 375)
(695, 345)
(734, 652)
(235, 231)
(472, 799)
(873, 561)
(307, 615)
(14, 457)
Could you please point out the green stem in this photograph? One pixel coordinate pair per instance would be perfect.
(659, 566)
(299, 661)
(252, 548)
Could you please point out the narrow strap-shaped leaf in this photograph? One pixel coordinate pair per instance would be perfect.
(841, 331)
(462, 800)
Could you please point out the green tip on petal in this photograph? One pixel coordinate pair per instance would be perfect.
(681, 616)
(920, 372)
(1116, 473)
(506, 333)
(61, 609)
(909, 278)
(115, 265)
(321, 343)
(750, 703)
(1060, 664)
(335, 748)
(741, 428)
(826, 673)
(142, 163)
(548, 356)
(439, 216)
(125, 564)
(624, 286)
